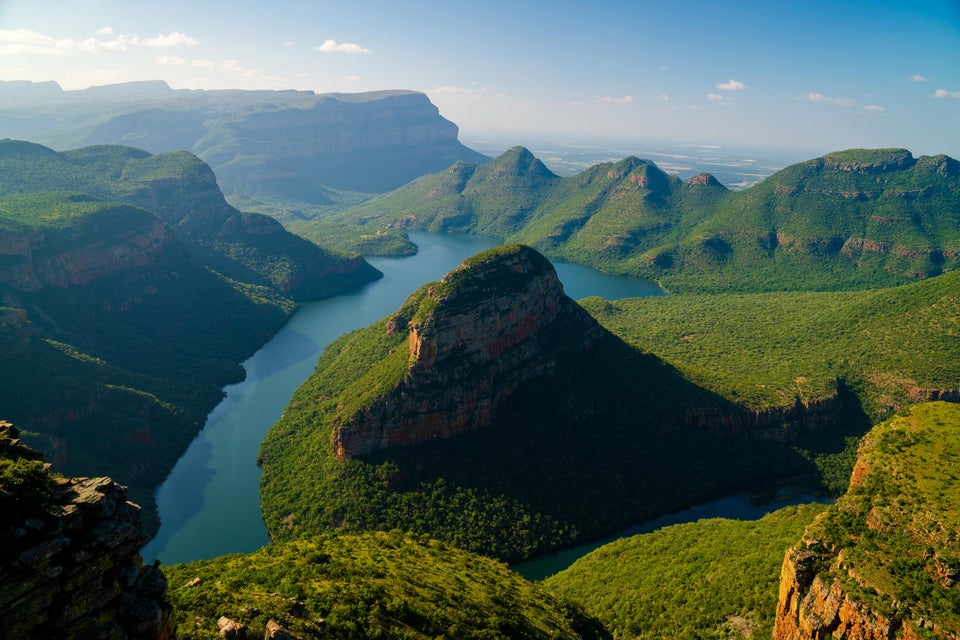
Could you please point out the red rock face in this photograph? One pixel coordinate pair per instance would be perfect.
(472, 352)
(31, 268)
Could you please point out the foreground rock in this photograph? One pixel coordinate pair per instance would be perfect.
(69, 562)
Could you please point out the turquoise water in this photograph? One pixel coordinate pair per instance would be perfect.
(209, 504)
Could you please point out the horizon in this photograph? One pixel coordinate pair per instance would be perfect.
(818, 77)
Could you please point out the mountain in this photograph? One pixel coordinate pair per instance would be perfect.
(69, 562)
(493, 413)
(374, 585)
(850, 220)
(885, 560)
(286, 153)
(714, 578)
(129, 294)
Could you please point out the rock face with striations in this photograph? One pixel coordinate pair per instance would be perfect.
(499, 320)
(69, 562)
(884, 562)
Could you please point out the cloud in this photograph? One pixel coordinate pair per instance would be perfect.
(351, 78)
(234, 67)
(28, 41)
(332, 46)
(732, 85)
(814, 96)
(172, 39)
(612, 100)
(177, 61)
(714, 96)
(917, 78)
(450, 90)
(943, 93)
(663, 97)
(874, 108)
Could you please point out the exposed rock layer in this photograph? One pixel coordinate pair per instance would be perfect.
(498, 321)
(74, 571)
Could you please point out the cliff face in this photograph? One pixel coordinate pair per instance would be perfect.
(32, 261)
(498, 321)
(883, 563)
(69, 563)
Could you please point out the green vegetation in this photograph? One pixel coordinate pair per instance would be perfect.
(898, 525)
(714, 578)
(854, 219)
(129, 294)
(551, 468)
(379, 585)
(878, 349)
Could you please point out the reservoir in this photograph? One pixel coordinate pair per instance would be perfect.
(210, 503)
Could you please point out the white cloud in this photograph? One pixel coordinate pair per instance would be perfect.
(714, 96)
(663, 97)
(875, 108)
(450, 90)
(332, 46)
(351, 78)
(234, 67)
(612, 100)
(815, 96)
(28, 41)
(177, 61)
(943, 93)
(918, 78)
(172, 39)
(732, 85)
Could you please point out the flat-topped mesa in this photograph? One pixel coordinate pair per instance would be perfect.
(499, 320)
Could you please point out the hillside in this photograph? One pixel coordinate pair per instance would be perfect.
(714, 578)
(885, 560)
(850, 220)
(376, 585)
(129, 294)
(880, 350)
(493, 413)
(290, 154)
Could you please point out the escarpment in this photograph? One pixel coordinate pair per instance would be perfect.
(884, 562)
(498, 321)
(69, 561)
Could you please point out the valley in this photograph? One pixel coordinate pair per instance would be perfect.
(463, 401)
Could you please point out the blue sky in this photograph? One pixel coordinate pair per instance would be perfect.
(818, 75)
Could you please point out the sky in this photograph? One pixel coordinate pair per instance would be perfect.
(818, 75)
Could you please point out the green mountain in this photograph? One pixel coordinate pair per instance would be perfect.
(129, 293)
(375, 585)
(849, 220)
(714, 578)
(290, 154)
(492, 412)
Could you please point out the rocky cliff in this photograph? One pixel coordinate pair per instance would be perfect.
(884, 562)
(69, 563)
(499, 320)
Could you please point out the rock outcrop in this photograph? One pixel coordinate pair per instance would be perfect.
(69, 562)
(501, 319)
(884, 562)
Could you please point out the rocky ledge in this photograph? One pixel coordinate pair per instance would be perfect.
(884, 562)
(69, 561)
(499, 320)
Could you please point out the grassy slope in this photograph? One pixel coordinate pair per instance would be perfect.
(378, 585)
(714, 578)
(898, 526)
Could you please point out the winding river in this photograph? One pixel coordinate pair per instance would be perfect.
(209, 504)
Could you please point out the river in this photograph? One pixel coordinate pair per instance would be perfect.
(209, 505)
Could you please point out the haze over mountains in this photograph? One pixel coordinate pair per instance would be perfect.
(284, 152)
